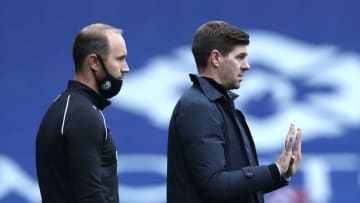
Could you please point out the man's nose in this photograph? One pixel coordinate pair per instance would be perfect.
(125, 68)
(246, 66)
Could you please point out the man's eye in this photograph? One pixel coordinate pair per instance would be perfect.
(121, 58)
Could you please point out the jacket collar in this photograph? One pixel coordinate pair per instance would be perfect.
(99, 101)
(211, 88)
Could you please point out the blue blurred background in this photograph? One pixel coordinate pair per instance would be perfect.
(305, 68)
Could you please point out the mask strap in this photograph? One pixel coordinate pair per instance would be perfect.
(102, 63)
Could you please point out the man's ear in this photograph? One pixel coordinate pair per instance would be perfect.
(215, 56)
(93, 62)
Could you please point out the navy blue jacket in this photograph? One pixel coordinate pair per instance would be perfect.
(207, 160)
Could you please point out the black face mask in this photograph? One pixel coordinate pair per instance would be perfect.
(109, 86)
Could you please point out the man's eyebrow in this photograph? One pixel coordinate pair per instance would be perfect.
(242, 54)
(121, 57)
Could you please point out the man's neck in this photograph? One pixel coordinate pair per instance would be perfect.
(87, 80)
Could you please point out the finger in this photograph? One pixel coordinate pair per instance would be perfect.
(292, 160)
(290, 171)
(289, 138)
(297, 147)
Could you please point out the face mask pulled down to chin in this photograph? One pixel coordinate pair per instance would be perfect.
(109, 86)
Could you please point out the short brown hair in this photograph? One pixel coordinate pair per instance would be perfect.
(217, 35)
(91, 39)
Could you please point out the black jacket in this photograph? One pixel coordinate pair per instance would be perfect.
(76, 156)
(207, 160)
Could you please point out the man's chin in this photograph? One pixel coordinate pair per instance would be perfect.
(234, 87)
(237, 85)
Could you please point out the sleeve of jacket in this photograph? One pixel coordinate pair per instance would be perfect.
(84, 135)
(200, 130)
